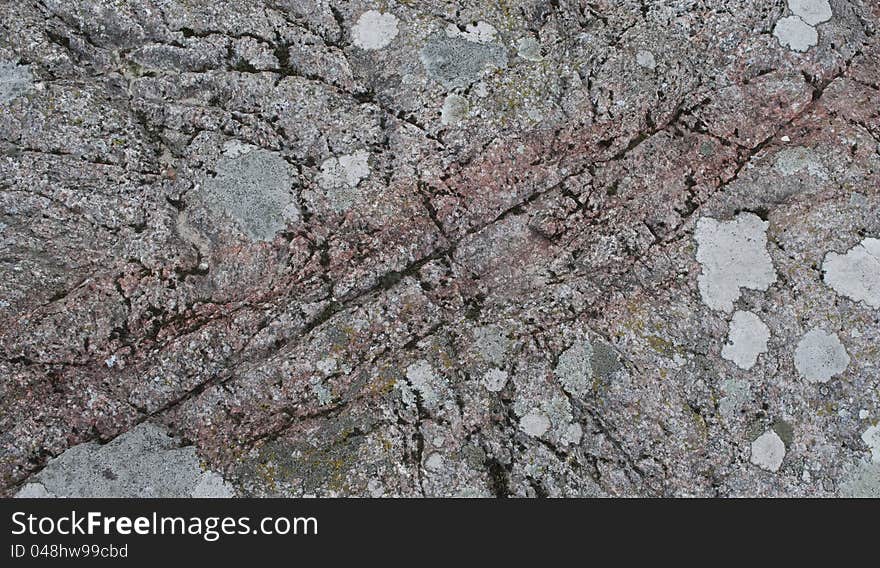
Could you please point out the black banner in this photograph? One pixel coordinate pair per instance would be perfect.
(130, 530)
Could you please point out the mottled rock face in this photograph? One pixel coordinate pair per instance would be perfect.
(459, 248)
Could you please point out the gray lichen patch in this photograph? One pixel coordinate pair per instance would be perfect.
(855, 274)
(492, 343)
(253, 186)
(768, 451)
(15, 80)
(574, 369)
(795, 34)
(455, 62)
(733, 255)
(790, 161)
(582, 364)
(340, 177)
(861, 480)
(374, 30)
(735, 394)
(143, 462)
(746, 339)
(812, 12)
(819, 356)
(529, 49)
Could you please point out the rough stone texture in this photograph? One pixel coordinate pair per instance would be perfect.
(258, 227)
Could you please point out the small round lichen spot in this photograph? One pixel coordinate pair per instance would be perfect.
(768, 451)
(15, 80)
(811, 11)
(820, 356)
(535, 423)
(529, 49)
(795, 34)
(746, 339)
(374, 30)
(646, 59)
(494, 380)
(455, 109)
(434, 462)
(855, 274)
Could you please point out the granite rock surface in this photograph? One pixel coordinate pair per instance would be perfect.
(440, 248)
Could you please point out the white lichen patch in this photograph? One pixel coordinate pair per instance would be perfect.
(646, 59)
(15, 80)
(374, 30)
(434, 462)
(871, 437)
(535, 423)
(33, 491)
(795, 34)
(574, 369)
(327, 365)
(494, 380)
(732, 255)
(812, 12)
(855, 274)
(768, 451)
(747, 338)
(573, 434)
(340, 176)
(820, 356)
(455, 109)
(212, 486)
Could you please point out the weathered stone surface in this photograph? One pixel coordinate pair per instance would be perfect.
(440, 248)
